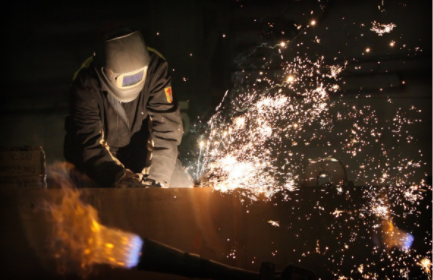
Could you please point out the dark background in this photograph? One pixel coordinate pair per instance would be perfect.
(43, 45)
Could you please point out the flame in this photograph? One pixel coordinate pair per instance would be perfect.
(394, 237)
(79, 239)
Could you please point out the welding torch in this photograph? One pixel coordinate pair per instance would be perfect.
(158, 257)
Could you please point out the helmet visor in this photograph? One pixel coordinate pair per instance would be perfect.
(127, 80)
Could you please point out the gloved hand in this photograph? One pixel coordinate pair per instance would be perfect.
(127, 179)
(150, 183)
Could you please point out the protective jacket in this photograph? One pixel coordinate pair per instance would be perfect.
(105, 136)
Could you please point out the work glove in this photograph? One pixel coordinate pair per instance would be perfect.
(128, 179)
(149, 183)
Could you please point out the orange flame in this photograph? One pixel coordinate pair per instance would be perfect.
(396, 238)
(79, 240)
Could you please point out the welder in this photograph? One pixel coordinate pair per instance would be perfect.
(124, 124)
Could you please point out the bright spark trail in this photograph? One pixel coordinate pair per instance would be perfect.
(274, 121)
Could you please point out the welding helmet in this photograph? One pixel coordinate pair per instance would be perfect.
(121, 63)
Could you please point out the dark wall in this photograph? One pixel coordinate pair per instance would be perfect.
(44, 45)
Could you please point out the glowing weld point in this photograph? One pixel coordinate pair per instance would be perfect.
(282, 44)
(134, 254)
(392, 43)
(313, 22)
(367, 50)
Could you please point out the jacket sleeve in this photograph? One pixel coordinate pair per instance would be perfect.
(166, 127)
(85, 112)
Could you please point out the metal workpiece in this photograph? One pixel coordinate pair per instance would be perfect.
(162, 258)
(159, 257)
(203, 233)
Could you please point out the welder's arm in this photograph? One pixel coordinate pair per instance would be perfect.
(98, 162)
(166, 126)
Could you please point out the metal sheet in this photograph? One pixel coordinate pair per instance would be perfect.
(222, 227)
